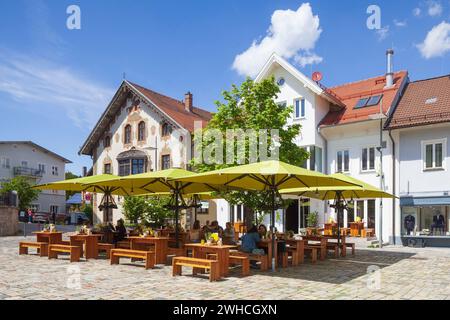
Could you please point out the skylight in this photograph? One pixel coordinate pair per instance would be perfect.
(368, 101)
(431, 100)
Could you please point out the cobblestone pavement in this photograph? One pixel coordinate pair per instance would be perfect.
(404, 273)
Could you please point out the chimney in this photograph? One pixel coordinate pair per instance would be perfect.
(390, 69)
(84, 171)
(188, 101)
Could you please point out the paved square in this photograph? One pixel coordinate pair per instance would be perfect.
(404, 273)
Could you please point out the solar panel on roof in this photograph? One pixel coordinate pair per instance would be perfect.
(374, 100)
(361, 103)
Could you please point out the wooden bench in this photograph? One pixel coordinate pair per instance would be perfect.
(312, 250)
(333, 247)
(195, 263)
(107, 247)
(297, 257)
(42, 247)
(148, 256)
(55, 249)
(243, 261)
(352, 246)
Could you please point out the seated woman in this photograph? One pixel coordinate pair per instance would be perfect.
(228, 236)
(262, 230)
(194, 233)
(121, 231)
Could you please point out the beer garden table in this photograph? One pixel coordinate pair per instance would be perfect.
(49, 237)
(223, 254)
(90, 242)
(161, 246)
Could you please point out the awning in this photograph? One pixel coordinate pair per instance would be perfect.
(424, 201)
(75, 199)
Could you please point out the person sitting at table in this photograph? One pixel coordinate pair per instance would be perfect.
(120, 231)
(262, 230)
(250, 244)
(195, 232)
(215, 228)
(228, 236)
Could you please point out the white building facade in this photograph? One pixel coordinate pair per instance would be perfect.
(141, 131)
(39, 166)
(342, 134)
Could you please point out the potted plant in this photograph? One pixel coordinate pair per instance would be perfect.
(312, 221)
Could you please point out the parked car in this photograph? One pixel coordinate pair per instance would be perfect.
(80, 217)
(42, 217)
(63, 218)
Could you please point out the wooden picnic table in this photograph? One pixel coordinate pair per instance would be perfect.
(90, 242)
(298, 246)
(223, 254)
(271, 252)
(355, 228)
(49, 237)
(323, 244)
(161, 246)
(343, 248)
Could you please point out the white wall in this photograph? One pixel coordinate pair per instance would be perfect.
(24, 152)
(179, 151)
(354, 137)
(414, 180)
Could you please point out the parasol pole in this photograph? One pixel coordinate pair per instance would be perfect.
(340, 209)
(176, 219)
(273, 228)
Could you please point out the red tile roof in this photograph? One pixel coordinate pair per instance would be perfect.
(351, 93)
(175, 108)
(424, 102)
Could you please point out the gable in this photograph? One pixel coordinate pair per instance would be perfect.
(165, 107)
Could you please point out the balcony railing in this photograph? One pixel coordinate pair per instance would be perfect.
(28, 172)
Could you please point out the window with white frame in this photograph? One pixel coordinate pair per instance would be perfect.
(54, 170)
(368, 159)
(299, 108)
(343, 161)
(41, 168)
(53, 209)
(433, 154)
(4, 162)
(315, 158)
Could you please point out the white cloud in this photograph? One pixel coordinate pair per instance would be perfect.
(434, 8)
(304, 60)
(437, 41)
(36, 81)
(383, 33)
(417, 12)
(292, 34)
(399, 23)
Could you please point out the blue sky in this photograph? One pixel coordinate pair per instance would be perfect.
(55, 82)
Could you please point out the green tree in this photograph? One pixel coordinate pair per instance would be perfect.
(158, 210)
(25, 192)
(89, 211)
(252, 106)
(70, 175)
(134, 208)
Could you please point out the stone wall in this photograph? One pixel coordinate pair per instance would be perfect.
(9, 221)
